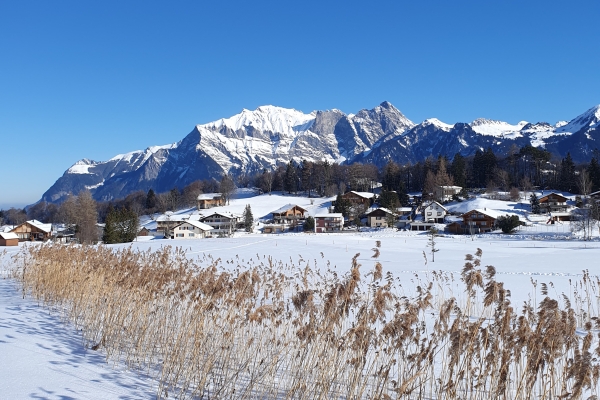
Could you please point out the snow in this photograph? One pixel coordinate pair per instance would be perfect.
(495, 128)
(42, 356)
(438, 123)
(81, 167)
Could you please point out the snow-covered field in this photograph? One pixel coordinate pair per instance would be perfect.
(43, 357)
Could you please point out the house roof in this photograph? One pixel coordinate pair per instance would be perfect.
(8, 235)
(172, 218)
(385, 210)
(553, 193)
(451, 187)
(287, 207)
(486, 211)
(366, 195)
(199, 225)
(429, 204)
(208, 196)
(221, 214)
(47, 228)
(329, 215)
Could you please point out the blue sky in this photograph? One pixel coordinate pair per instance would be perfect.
(92, 80)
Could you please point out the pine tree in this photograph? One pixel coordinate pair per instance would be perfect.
(458, 170)
(567, 174)
(109, 234)
(594, 171)
(248, 218)
(309, 224)
(121, 226)
(291, 178)
(150, 200)
(535, 203)
(342, 206)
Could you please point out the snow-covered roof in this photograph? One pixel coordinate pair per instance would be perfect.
(41, 226)
(208, 196)
(286, 208)
(366, 195)
(435, 202)
(404, 209)
(7, 228)
(387, 211)
(329, 215)
(222, 214)
(490, 213)
(199, 225)
(8, 235)
(172, 218)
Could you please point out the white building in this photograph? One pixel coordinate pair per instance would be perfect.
(191, 230)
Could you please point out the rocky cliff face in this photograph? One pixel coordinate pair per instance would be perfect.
(254, 140)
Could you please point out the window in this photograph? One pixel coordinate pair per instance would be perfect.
(378, 218)
(191, 234)
(429, 213)
(180, 235)
(439, 213)
(483, 223)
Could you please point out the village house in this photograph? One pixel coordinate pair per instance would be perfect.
(553, 202)
(223, 224)
(209, 200)
(33, 230)
(191, 230)
(479, 221)
(365, 199)
(446, 193)
(332, 222)
(433, 212)
(166, 222)
(9, 239)
(289, 214)
(380, 217)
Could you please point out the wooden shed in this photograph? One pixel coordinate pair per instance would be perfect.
(9, 239)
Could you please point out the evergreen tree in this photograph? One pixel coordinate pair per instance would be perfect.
(458, 169)
(594, 172)
(109, 234)
(508, 224)
(150, 200)
(121, 226)
(535, 203)
(567, 174)
(309, 224)
(342, 206)
(290, 182)
(389, 200)
(248, 218)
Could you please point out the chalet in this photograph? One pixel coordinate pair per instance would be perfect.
(191, 230)
(166, 222)
(223, 224)
(480, 220)
(434, 212)
(275, 228)
(553, 203)
(446, 193)
(289, 214)
(333, 222)
(33, 230)
(9, 239)
(421, 225)
(359, 198)
(379, 218)
(209, 200)
(144, 232)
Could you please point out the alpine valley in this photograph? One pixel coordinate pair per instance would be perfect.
(251, 141)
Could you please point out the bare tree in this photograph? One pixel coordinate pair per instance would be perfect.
(584, 183)
(502, 178)
(226, 187)
(86, 218)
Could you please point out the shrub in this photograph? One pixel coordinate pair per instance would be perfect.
(507, 223)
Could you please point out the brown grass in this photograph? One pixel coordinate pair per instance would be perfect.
(260, 328)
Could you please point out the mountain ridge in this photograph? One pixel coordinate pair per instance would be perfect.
(252, 141)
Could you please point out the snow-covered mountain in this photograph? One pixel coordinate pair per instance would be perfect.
(254, 140)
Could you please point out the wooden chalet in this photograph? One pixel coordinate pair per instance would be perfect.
(553, 203)
(223, 224)
(209, 200)
(9, 239)
(289, 214)
(332, 222)
(379, 218)
(33, 230)
(359, 198)
(479, 220)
